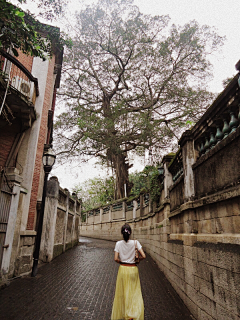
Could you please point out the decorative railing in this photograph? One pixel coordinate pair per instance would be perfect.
(117, 206)
(78, 206)
(71, 204)
(130, 206)
(176, 166)
(138, 202)
(18, 77)
(97, 212)
(106, 210)
(90, 213)
(62, 197)
(146, 199)
(221, 127)
(219, 121)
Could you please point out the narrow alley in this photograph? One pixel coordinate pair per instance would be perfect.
(80, 284)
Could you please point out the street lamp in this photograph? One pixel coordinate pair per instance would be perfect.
(48, 160)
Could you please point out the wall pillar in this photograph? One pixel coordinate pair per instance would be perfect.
(141, 205)
(110, 213)
(188, 155)
(168, 181)
(73, 228)
(135, 207)
(65, 221)
(124, 209)
(49, 222)
(15, 181)
(73, 233)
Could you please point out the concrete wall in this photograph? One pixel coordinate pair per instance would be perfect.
(60, 230)
(61, 222)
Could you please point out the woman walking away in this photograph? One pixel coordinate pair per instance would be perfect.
(128, 301)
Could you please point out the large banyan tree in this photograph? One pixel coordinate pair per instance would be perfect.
(130, 83)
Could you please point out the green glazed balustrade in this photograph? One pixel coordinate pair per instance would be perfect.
(106, 210)
(176, 166)
(210, 141)
(146, 198)
(97, 212)
(178, 173)
(233, 122)
(130, 205)
(117, 206)
(138, 202)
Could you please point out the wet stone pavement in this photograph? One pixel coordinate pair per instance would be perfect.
(80, 284)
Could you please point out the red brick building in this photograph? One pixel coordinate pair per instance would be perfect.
(27, 90)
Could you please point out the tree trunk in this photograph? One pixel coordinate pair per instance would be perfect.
(122, 185)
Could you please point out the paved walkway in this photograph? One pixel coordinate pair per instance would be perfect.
(80, 284)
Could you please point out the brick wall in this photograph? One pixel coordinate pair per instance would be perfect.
(7, 138)
(41, 141)
(27, 61)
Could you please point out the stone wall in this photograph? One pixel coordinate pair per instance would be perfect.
(60, 229)
(219, 165)
(193, 234)
(61, 221)
(203, 267)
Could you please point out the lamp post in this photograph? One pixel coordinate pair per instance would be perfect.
(48, 161)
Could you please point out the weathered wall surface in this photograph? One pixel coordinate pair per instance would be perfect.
(176, 194)
(60, 226)
(220, 167)
(60, 229)
(203, 267)
(194, 232)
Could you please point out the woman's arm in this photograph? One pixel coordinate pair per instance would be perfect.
(116, 257)
(143, 255)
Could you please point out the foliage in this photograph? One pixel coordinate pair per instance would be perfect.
(19, 30)
(99, 191)
(139, 181)
(147, 180)
(51, 9)
(155, 187)
(227, 81)
(131, 84)
(95, 192)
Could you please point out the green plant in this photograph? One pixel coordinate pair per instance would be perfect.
(155, 187)
(146, 181)
(130, 85)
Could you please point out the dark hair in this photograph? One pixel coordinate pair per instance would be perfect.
(126, 231)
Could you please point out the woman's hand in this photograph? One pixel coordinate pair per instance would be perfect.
(116, 257)
(142, 255)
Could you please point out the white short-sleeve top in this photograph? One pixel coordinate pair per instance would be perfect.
(126, 250)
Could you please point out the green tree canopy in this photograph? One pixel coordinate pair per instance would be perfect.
(131, 83)
(95, 192)
(19, 30)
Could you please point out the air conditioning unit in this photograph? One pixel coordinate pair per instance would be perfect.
(23, 86)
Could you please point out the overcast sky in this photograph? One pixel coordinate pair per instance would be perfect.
(221, 14)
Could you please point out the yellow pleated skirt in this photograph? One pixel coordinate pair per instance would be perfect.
(128, 300)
